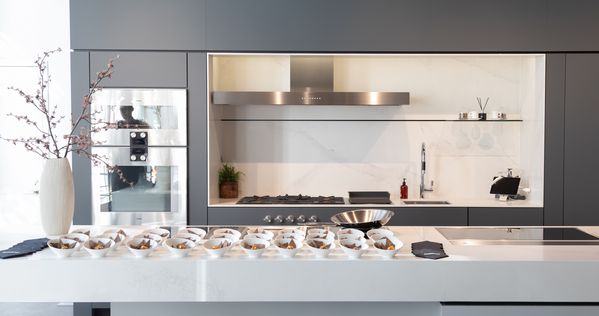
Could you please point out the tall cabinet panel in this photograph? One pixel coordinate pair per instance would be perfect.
(198, 153)
(581, 147)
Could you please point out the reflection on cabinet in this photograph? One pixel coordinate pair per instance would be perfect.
(505, 216)
(581, 146)
(142, 69)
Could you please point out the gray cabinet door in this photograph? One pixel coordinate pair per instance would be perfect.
(429, 216)
(141, 69)
(581, 147)
(505, 216)
(376, 25)
(138, 24)
(197, 140)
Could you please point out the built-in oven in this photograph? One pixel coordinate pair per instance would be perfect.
(144, 179)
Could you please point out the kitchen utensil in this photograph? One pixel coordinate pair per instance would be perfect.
(363, 219)
(369, 197)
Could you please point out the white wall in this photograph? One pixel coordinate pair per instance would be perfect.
(27, 28)
(331, 158)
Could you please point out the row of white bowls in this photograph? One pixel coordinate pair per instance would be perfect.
(115, 237)
(352, 242)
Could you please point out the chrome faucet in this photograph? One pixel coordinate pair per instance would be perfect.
(423, 172)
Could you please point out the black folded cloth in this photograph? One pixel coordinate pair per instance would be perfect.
(429, 250)
(24, 248)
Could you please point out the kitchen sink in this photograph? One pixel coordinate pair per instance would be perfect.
(477, 236)
(425, 202)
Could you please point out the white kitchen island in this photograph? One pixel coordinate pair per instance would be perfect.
(472, 274)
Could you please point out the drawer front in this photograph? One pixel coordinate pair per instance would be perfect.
(430, 216)
(505, 216)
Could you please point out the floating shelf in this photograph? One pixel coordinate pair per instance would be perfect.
(365, 120)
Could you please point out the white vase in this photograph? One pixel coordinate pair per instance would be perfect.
(57, 198)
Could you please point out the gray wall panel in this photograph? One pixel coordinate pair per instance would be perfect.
(142, 69)
(81, 165)
(198, 148)
(138, 24)
(555, 85)
(581, 147)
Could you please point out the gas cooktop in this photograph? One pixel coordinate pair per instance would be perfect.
(291, 199)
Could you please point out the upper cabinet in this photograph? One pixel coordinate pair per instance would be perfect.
(336, 25)
(141, 69)
(138, 24)
(581, 147)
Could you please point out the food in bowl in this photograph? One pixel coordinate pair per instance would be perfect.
(220, 244)
(63, 243)
(319, 244)
(288, 245)
(84, 231)
(98, 245)
(254, 247)
(142, 245)
(385, 244)
(387, 247)
(153, 237)
(158, 231)
(195, 231)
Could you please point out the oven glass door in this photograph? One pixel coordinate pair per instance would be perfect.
(140, 192)
(161, 113)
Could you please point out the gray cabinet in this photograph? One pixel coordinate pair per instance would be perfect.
(141, 69)
(404, 216)
(505, 216)
(430, 216)
(197, 140)
(138, 24)
(581, 146)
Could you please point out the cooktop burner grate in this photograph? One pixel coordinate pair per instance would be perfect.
(291, 199)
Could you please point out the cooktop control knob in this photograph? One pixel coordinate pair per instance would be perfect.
(267, 219)
(290, 219)
(279, 219)
(301, 219)
(313, 219)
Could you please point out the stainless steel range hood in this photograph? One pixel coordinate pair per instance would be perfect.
(312, 79)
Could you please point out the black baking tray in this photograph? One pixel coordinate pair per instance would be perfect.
(369, 197)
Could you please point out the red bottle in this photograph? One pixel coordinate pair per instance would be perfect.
(403, 190)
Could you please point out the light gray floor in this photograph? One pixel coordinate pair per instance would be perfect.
(30, 309)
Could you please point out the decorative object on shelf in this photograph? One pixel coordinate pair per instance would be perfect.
(496, 115)
(482, 115)
(56, 184)
(228, 182)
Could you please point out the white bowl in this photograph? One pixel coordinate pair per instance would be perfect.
(350, 231)
(193, 230)
(291, 230)
(355, 238)
(121, 231)
(261, 231)
(319, 252)
(318, 231)
(116, 237)
(229, 231)
(163, 233)
(179, 253)
(254, 253)
(322, 235)
(297, 236)
(154, 237)
(98, 253)
(258, 235)
(85, 231)
(141, 253)
(63, 253)
(376, 234)
(217, 253)
(232, 237)
(385, 253)
(353, 253)
(78, 237)
(285, 252)
(193, 237)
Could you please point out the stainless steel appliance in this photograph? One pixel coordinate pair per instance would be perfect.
(146, 141)
(474, 236)
(312, 83)
(291, 199)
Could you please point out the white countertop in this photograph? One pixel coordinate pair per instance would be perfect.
(488, 202)
(471, 273)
